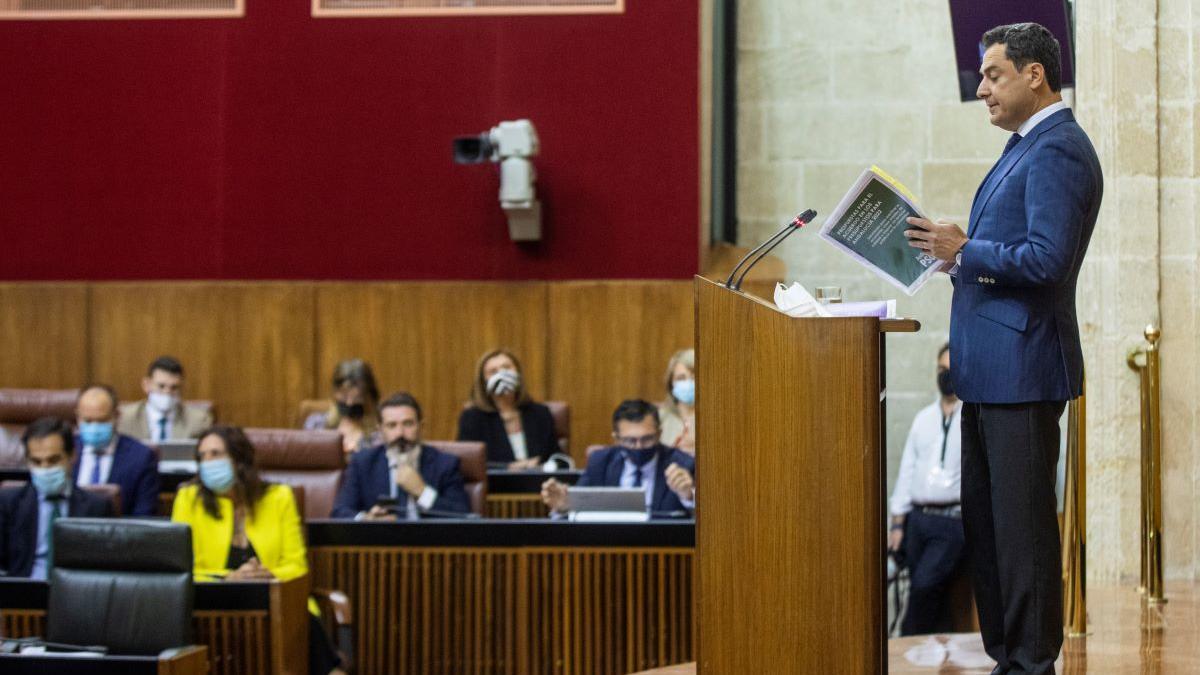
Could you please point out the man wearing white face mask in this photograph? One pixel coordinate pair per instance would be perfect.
(27, 513)
(162, 415)
(108, 457)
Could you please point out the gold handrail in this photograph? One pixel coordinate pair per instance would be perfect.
(1149, 369)
(1074, 550)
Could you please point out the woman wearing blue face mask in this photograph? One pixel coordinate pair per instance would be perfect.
(244, 528)
(678, 411)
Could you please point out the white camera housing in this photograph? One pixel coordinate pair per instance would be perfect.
(513, 144)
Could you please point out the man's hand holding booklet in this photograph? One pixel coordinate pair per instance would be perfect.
(869, 225)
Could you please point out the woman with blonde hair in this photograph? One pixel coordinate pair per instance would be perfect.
(352, 407)
(677, 412)
(518, 432)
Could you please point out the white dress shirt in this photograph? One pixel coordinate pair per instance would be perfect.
(41, 551)
(152, 422)
(1039, 116)
(930, 469)
(88, 461)
(517, 441)
(428, 495)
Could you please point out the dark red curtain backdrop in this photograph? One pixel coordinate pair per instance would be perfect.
(279, 146)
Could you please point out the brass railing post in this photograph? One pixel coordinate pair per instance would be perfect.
(1154, 557)
(1074, 522)
(1150, 373)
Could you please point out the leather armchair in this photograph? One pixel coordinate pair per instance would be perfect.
(123, 584)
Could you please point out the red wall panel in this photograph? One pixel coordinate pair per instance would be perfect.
(282, 146)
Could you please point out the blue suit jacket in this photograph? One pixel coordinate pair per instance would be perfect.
(367, 478)
(19, 521)
(135, 470)
(1014, 337)
(604, 468)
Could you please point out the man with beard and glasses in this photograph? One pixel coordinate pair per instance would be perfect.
(402, 477)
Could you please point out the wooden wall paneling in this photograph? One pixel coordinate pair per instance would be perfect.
(425, 337)
(43, 328)
(247, 346)
(609, 341)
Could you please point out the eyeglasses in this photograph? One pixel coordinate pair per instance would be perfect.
(636, 442)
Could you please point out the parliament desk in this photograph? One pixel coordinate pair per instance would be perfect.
(510, 494)
(518, 494)
(248, 627)
(184, 661)
(511, 596)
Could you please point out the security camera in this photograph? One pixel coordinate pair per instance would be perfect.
(511, 145)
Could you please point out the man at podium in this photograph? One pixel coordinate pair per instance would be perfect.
(1014, 341)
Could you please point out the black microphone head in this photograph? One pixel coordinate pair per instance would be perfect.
(804, 218)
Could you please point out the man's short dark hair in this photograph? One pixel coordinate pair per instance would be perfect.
(634, 410)
(49, 426)
(1026, 43)
(398, 400)
(945, 348)
(106, 388)
(168, 364)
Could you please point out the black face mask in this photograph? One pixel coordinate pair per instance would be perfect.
(353, 412)
(945, 385)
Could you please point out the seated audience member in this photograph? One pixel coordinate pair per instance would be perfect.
(926, 513)
(11, 455)
(352, 409)
(108, 457)
(517, 432)
(162, 416)
(637, 460)
(244, 528)
(27, 512)
(407, 476)
(678, 411)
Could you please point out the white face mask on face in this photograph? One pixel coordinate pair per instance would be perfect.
(161, 402)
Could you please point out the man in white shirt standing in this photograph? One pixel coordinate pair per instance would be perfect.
(926, 513)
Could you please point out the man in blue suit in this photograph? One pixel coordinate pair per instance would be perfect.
(637, 460)
(418, 477)
(109, 457)
(1014, 341)
(27, 513)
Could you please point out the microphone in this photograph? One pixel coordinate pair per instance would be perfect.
(765, 248)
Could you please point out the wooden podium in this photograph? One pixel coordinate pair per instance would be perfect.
(790, 533)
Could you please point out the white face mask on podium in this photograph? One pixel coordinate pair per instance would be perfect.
(795, 300)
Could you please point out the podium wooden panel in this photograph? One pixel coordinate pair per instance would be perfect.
(790, 519)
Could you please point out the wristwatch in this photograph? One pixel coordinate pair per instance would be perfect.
(958, 257)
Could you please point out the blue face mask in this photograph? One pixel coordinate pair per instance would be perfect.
(95, 434)
(49, 481)
(684, 391)
(217, 475)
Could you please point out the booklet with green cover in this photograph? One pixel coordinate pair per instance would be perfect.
(869, 224)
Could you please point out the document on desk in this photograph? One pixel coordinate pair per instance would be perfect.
(868, 225)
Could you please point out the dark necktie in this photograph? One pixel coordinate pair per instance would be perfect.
(97, 455)
(162, 428)
(55, 512)
(1012, 143)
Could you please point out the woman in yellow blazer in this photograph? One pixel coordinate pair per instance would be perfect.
(244, 528)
